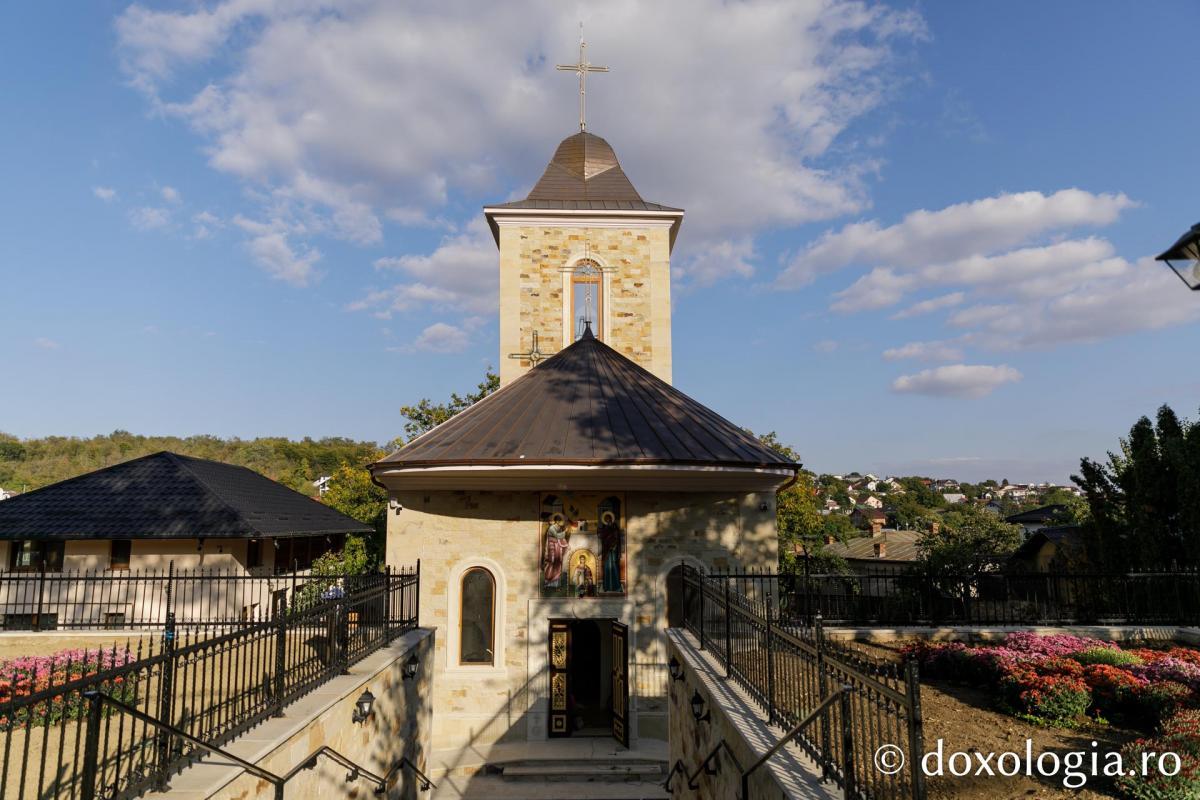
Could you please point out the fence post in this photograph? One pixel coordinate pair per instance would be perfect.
(37, 618)
(417, 597)
(728, 638)
(166, 695)
(700, 585)
(822, 690)
(770, 663)
(848, 783)
(342, 630)
(916, 735)
(280, 612)
(91, 746)
(807, 591)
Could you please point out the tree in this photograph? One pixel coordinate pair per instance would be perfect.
(969, 541)
(426, 414)
(351, 491)
(798, 516)
(1145, 502)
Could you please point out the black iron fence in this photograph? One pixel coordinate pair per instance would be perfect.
(139, 599)
(790, 670)
(213, 682)
(904, 595)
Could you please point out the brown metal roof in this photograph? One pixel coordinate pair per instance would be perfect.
(587, 405)
(584, 175)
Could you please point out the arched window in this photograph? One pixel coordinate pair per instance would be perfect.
(477, 624)
(587, 298)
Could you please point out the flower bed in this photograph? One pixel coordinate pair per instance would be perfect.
(1068, 680)
(28, 675)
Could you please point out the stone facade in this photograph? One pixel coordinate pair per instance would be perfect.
(535, 271)
(501, 531)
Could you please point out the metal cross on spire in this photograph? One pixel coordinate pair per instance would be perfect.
(582, 69)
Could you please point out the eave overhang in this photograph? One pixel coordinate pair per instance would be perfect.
(583, 217)
(582, 477)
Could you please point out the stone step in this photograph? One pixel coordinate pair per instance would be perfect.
(586, 771)
(495, 787)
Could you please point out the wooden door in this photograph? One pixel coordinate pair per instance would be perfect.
(620, 683)
(560, 653)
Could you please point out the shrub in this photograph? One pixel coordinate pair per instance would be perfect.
(1170, 668)
(1114, 691)
(1157, 701)
(1050, 697)
(1058, 645)
(1107, 655)
(1179, 734)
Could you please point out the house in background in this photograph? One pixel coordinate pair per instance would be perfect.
(164, 508)
(6, 494)
(1050, 549)
(1035, 519)
(321, 484)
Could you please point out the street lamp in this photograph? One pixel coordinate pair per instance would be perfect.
(698, 709)
(363, 706)
(1185, 254)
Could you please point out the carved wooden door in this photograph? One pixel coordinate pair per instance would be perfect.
(620, 683)
(559, 717)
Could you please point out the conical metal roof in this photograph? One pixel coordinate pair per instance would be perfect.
(587, 406)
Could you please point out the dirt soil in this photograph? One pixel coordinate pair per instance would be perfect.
(964, 719)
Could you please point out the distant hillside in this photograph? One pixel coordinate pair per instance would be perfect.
(27, 464)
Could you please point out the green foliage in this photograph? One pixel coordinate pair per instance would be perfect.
(351, 491)
(426, 414)
(33, 463)
(970, 541)
(905, 512)
(798, 517)
(915, 488)
(1106, 655)
(1145, 502)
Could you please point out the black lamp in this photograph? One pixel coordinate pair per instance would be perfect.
(1183, 258)
(410, 667)
(698, 708)
(675, 668)
(363, 706)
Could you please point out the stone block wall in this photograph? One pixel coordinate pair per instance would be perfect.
(400, 726)
(501, 531)
(637, 292)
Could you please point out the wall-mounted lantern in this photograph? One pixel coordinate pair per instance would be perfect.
(698, 708)
(363, 706)
(410, 667)
(1183, 258)
(675, 668)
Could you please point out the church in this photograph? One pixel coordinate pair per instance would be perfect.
(553, 517)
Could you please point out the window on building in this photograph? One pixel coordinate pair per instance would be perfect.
(118, 554)
(254, 554)
(29, 556)
(587, 298)
(478, 617)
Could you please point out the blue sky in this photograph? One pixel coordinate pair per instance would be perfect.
(916, 241)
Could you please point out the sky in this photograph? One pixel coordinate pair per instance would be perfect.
(919, 236)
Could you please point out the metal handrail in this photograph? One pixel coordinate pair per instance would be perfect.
(426, 784)
(842, 695)
(676, 768)
(96, 701)
(704, 765)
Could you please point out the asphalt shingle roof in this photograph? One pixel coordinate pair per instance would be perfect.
(587, 405)
(169, 496)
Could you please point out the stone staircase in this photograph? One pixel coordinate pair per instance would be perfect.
(562, 770)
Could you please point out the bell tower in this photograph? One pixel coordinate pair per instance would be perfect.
(584, 247)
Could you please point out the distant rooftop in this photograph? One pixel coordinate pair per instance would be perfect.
(169, 496)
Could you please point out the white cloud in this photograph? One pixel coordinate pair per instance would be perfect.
(825, 346)
(957, 380)
(205, 222)
(149, 218)
(441, 337)
(879, 288)
(925, 351)
(171, 194)
(957, 232)
(46, 344)
(338, 110)
(929, 306)
(271, 249)
(460, 274)
(105, 193)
